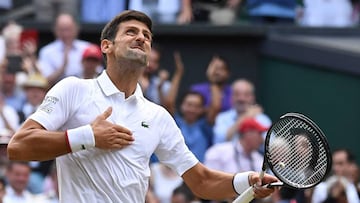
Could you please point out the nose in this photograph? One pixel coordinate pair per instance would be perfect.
(140, 37)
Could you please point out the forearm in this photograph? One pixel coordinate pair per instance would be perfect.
(56, 75)
(37, 144)
(210, 184)
(215, 104)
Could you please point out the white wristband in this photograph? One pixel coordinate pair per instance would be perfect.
(241, 182)
(80, 138)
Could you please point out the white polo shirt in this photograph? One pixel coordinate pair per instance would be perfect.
(97, 175)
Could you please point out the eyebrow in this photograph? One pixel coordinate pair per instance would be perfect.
(134, 27)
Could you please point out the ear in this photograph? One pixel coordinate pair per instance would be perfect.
(105, 45)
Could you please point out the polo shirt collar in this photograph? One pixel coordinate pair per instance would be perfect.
(108, 87)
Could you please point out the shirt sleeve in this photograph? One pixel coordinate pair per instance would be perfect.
(57, 104)
(172, 149)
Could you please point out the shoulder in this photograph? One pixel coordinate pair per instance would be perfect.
(74, 84)
(49, 47)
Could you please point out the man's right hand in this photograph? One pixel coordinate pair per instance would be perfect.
(108, 135)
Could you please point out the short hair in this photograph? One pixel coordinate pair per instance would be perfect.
(111, 28)
(350, 157)
(12, 163)
(192, 92)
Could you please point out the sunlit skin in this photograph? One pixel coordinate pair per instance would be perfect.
(127, 54)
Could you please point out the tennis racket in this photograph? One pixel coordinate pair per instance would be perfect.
(296, 151)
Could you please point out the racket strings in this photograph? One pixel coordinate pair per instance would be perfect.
(297, 153)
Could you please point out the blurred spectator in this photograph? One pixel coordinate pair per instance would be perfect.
(163, 181)
(17, 176)
(91, 62)
(271, 11)
(35, 88)
(240, 155)
(217, 74)
(11, 33)
(193, 120)
(62, 57)
(2, 189)
(9, 119)
(243, 106)
(341, 159)
(12, 94)
(51, 192)
(336, 190)
(153, 82)
(183, 194)
(160, 11)
(215, 11)
(4, 140)
(354, 175)
(328, 13)
(100, 11)
(46, 11)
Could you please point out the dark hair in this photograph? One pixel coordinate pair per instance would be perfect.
(350, 157)
(184, 190)
(192, 92)
(111, 28)
(12, 163)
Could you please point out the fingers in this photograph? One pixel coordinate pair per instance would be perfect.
(261, 192)
(107, 113)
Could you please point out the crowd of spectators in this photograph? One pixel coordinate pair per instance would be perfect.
(221, 120)
(333, 13)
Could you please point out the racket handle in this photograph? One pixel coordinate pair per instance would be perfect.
(246, 196)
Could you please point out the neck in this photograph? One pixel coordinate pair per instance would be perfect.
(125, 77)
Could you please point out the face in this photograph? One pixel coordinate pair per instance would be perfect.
(178, 198)
(242, 96)
(192, 107)
(253, 139)
(340, 163)
(18, 176)
(132, 42)
(66, 29)
(89, 66)
(35, 95)
(217, 71)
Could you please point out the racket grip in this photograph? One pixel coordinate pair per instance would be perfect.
(246, 196)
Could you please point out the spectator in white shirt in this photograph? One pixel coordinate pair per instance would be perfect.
(62, 57)
(17, 175)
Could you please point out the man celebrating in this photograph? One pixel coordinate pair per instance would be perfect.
(103, 131)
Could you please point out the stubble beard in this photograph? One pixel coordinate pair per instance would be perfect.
(137, 59)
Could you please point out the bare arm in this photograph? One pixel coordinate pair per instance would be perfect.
(33, 142)
(54, 77)
(186, 13)
(170, 100)
(217, 185)
(215, 104)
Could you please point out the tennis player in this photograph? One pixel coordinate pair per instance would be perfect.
(103, 131)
